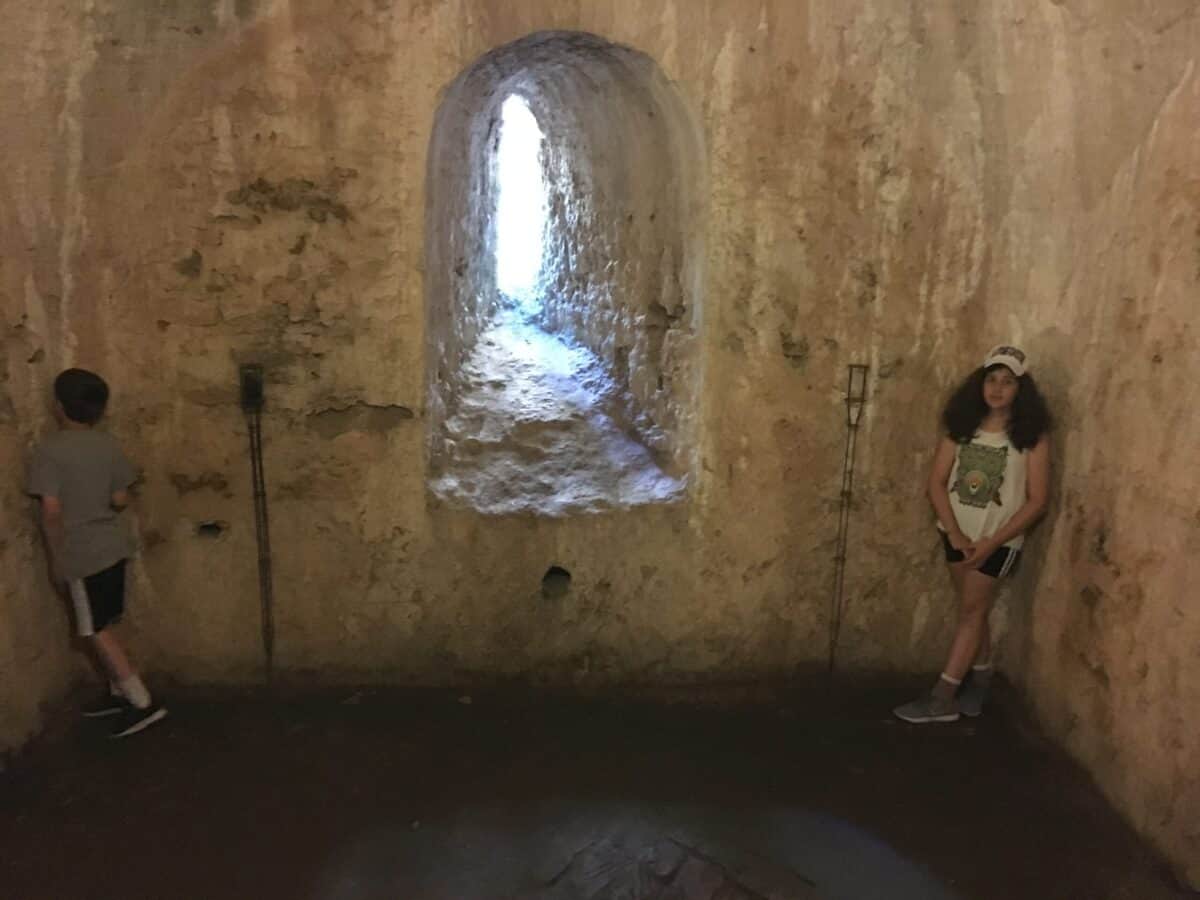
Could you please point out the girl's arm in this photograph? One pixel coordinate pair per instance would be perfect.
(939, 474)
(1037, 493)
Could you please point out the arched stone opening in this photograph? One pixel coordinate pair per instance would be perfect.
(591, 407)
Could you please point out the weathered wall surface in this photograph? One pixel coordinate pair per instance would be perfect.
(627, 193)
(899, 184)
(253, 188)
(40, 233)
(1095, 260)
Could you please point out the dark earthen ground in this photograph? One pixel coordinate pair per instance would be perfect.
(416, 795)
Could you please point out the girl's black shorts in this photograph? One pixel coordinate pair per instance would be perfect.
(1002, 562)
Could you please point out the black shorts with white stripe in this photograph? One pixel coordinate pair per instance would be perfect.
(1002, 562)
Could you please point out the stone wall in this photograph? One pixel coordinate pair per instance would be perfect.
(195, 186)
(1095, 265)
(627, 189)
(41, 104)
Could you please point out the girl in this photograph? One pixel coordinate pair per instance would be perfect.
(988, 486)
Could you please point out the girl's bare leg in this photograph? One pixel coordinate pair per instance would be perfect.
(976, 594)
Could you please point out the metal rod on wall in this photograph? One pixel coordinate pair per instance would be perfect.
(251, 377)
(856, 398)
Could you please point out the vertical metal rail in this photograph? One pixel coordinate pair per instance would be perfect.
(856, 397)
(252, 404)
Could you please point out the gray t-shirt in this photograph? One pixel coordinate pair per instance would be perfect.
(83, 469)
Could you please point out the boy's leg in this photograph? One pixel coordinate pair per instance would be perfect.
(100, 602)
(111, 655)
(86, 611)
(110, 652)
(142, 711)
(113, 700)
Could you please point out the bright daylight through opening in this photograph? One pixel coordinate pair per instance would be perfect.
(521, 208)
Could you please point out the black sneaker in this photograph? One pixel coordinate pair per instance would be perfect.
(134, 720)
(108, 705)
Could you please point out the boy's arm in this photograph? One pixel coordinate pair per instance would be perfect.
(123, 478)
(52, 530)
(43, 484)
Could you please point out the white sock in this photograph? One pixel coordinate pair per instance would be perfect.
(945, 687)
(135, 691)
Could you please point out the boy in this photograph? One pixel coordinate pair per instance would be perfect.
(81, 479)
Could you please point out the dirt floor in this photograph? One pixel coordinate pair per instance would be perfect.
(421, 795)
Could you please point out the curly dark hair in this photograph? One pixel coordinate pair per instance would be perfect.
(83, 395)
(966, 409)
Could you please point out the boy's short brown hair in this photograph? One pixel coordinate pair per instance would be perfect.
(83, 395)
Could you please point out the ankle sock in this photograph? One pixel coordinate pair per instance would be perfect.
(135, 691)
(946, 686)
(982, 675)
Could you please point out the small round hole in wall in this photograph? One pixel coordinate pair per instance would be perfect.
(555, 583)
(211, 529)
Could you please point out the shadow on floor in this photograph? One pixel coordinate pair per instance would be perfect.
(416, 796)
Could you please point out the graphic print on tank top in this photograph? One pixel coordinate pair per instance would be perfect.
(980, 474)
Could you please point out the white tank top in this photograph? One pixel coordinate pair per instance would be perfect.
(987, 485)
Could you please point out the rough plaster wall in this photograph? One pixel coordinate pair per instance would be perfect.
(263, 199)
(460, 269)
(896, 184)
(40, 234)
(1095, 256)
(626, 199)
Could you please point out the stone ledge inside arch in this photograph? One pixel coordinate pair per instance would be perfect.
(529, 432)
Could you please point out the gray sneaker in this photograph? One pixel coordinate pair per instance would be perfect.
(928, 709)
(970, 698)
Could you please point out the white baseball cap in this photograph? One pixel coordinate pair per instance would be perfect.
(1007, 355)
